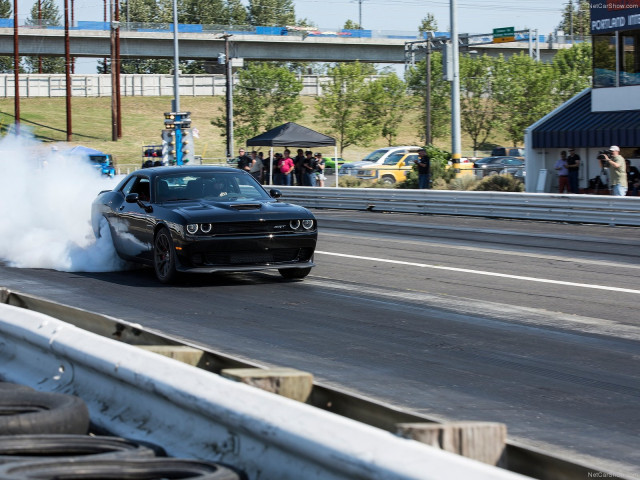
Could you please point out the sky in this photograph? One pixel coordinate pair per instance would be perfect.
(473, 16)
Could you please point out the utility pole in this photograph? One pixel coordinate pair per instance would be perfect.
(456, 145)
(114, 105)
(229, 95)
(427, 130)
(118, 102)
(16, 67)
(360, 14)
(67, 61)
(176, 61)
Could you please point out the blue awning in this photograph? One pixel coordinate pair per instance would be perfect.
(577, 126)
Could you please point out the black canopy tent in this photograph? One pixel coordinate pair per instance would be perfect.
(291, 134)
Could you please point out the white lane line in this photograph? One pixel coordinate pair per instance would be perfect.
(481, 272)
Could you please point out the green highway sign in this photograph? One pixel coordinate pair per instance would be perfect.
(505, 34)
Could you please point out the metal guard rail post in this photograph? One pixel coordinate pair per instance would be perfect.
(598, 209)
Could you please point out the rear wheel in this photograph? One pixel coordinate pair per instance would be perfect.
(388, 180)
(294, 273)
(164, 256)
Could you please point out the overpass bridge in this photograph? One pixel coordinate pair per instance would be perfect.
(158, 44)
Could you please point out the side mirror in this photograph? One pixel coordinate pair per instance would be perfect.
(131, 198)
(275, 193)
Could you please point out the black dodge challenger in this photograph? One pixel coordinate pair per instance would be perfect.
(205, 219)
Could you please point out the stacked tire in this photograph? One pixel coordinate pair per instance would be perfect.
(46, 436)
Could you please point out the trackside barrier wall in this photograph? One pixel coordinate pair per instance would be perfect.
(194, 413)
(599, 209)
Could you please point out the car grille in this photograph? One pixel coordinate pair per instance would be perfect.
(250, 228)
(281, 255)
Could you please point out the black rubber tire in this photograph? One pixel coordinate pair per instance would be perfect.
(139, 469)
(294, 273)
(7, 386)
(24, 448)
(388, 180)
(29, 412)
(164, 257)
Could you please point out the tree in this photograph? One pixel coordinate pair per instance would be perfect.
(521, 87)
(576, 19)
(50, 16)
(388, 102)
(265, 96)
(342, 105)
(271, 13)
(6, 63)
(572, 70)
(429, 24)
(351, 25)
(479, 112)
(440, 95)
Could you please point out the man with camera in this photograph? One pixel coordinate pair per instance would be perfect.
(424, 169)
(617, 168)
(573, 168)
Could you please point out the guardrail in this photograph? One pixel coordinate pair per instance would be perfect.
(192, 412)
(600, 209)
(57, 373)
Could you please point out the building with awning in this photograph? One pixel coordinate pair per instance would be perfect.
(606, 114)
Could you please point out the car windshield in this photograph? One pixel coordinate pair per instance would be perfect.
(375, 155)
(213, 186)
(393, 159)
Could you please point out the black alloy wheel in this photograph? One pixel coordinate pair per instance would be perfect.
(164, 256)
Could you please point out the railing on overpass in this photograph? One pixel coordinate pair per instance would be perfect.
(598, 209)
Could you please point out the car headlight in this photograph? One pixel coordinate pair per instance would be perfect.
(294, 224)
(205, 227)
(307, 224)
(192, 228)
(367, 173)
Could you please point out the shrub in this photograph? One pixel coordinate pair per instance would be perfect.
(349, 181)
(500, 183)
(465, 182)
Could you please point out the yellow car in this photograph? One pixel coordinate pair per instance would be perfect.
(395, 168)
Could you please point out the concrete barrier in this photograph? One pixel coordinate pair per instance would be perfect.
(135, 393)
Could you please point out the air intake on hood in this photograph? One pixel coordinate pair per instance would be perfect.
(246, 206)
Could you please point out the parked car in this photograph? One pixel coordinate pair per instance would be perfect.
(103, 162)
(508, 152)
(377, 157)
(205, 219)
(494, 165)
(330, 162)
(395, 168)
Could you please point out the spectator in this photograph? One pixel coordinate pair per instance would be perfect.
(299, 169)
(320, 176)
(617, 167)
(563, 172)
(256, 166)
(633, 178)
(309, 165)
(277, 176)
(244, 161)
(285, 164)
(573, 165)
(424, 169)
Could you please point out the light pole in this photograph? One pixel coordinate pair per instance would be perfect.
(455, 88)
(229, 95)
(176, 61)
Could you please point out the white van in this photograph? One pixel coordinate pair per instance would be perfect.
(377, 157)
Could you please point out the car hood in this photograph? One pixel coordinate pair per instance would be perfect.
(240, 211)
(360, 164)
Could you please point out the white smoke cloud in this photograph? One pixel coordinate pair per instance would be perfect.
(45, 209)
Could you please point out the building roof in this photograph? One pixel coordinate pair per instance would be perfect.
(577, 126)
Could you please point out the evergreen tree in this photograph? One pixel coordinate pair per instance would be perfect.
(6, 63)
(351, 25)
(206, 12)
(50, 16)
(342, 105)
(266, 95)
(429, 24)
(576, 18)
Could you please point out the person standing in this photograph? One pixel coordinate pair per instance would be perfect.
(298, 168)
(424, 169)
(320, 176)
(618, 171)
(573, 165)
(563, 173)
(244, 161)
(285, 164)
(256, 166)
(633, 178)
(309, 170)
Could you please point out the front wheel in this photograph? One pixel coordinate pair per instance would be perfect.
(164, 257)
(388, 180)
(294, 273)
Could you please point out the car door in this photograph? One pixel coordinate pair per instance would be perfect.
(133, 224)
